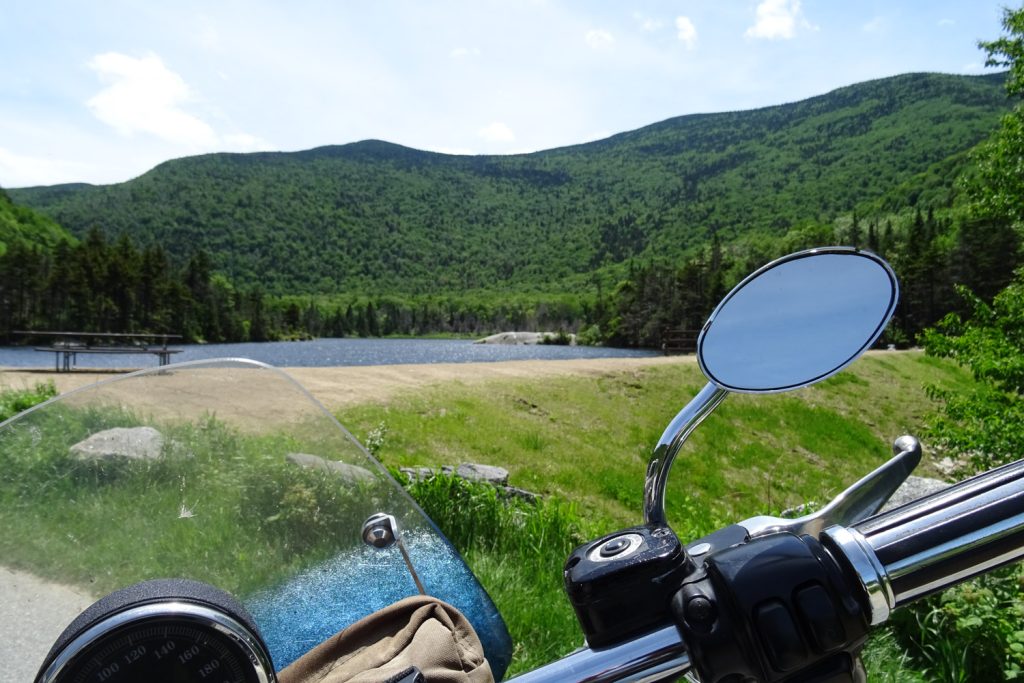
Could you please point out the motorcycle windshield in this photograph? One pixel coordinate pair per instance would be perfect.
(226, 472)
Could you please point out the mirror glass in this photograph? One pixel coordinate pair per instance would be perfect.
(798, 320)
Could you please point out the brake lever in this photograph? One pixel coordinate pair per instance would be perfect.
(858, 502)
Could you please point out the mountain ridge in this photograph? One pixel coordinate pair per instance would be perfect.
(378, 216)
(332, 149)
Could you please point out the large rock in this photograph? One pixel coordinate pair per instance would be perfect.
(417, 473)
(497, 476)
(353, 474)
(523, 338)
(120, 443)
(512, 338)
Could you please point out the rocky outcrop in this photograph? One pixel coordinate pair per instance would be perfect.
(120, 444)
(417, 473)
(489, 474)
(517, 338)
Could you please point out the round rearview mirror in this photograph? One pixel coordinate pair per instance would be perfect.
(798, 320)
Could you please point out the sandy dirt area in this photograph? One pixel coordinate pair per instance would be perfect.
(337, 387)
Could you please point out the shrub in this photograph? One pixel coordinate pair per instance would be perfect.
(14, 401)
(971, 632)
(975, 631)
(984, 423)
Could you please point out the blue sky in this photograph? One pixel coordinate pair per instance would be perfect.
(102, 91)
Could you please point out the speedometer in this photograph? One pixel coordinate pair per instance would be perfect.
(164, 631)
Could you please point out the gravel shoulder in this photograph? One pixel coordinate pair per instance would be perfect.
(33, 612)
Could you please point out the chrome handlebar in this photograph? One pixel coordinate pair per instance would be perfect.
(947, 537)
(897, 557)
(656, 656)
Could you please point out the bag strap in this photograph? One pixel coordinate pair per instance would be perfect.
(410, 675)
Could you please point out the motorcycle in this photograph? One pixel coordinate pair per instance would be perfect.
(286, 530)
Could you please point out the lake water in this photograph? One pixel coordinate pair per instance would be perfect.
(328, 352)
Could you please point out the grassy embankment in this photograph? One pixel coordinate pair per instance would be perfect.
(581, 441)
(587, 440)
(584, 443)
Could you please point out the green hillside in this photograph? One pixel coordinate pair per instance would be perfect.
(25, 227)
(377, 217)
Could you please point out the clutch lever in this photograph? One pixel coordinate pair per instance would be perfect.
(858, 502)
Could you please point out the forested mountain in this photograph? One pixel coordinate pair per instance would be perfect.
(374, 217)
(23, 227)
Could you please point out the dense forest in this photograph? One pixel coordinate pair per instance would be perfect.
(49, 280)
(23, 226)
(619, 240)
(94, 285)
(97, 285)
(932, 257)
(373, 217)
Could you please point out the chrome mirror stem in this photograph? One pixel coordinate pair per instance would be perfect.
(668, 446)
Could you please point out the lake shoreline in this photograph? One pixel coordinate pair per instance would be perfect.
(331, 352)
(340, 386)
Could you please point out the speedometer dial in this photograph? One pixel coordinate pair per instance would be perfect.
(160, 636)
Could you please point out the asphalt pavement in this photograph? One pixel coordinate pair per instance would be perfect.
(33, 612)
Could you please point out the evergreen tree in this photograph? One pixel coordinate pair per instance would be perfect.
(372, 323)
(123, 278)
(257, 321)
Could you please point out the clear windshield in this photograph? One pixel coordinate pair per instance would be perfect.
(226, 472)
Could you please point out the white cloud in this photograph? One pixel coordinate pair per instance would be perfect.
(497, 132)
(464, 52)
(687, 32)
(599, 39)
(946, 22)
(778, 19)
(972, 68)
(144, 96)
(18, 170)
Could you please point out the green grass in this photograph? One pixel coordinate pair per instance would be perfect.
(587, 439)
(584, 442)
(887, 662)
(221, 506)
(520, 549)
(971, 632)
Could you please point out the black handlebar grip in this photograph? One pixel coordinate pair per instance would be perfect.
(950, 536)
